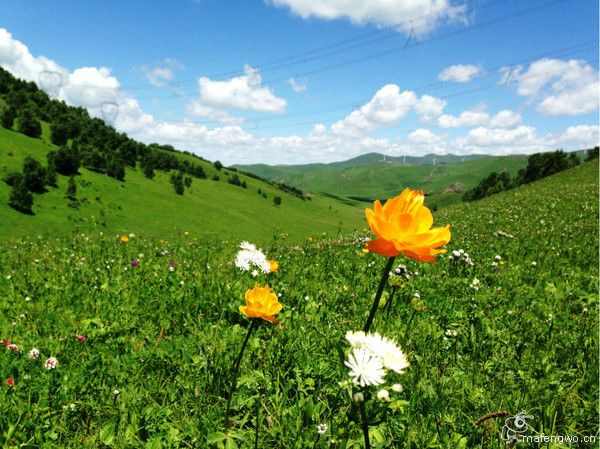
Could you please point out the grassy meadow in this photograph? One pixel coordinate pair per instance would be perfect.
(146, 350)
(151, 207)
(368, 178)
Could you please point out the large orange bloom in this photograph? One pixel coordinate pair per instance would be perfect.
(261, 302)
(403, 225)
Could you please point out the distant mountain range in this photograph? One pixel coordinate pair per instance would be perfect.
(370, 176)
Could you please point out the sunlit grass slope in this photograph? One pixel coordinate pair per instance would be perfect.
(516, 331)
(369, 179)
(151, 207)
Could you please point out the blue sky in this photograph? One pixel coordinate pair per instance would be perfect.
(298, 81)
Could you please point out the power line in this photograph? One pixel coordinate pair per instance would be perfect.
(565, 51)
(303, 58)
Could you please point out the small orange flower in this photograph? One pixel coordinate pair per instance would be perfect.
(261, 302)
(403, 225)
(274, 266)
(124, 239)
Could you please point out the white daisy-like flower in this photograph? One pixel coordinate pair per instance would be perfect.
(51, 363)
(322, 429)
(357, 339)
(249, 256)
(365, 368)
(390, 354)
(247, 246)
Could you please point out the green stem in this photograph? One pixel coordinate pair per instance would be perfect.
(365, 424)
(382, 283)
(236, 370)
(256, 430)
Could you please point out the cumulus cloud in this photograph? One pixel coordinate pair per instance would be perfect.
(91, 87)
(505, 119)
(460, 73)
(559, 87)
(242, 92)
(418, 16)
(197, 109)
(159, 75)
(429, 107)
(388, 106)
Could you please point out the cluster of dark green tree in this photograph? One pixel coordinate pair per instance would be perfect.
(539, 166)
(32, 179)
(83, 140)
(89, 142)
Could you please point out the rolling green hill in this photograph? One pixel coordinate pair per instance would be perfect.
(151, 207)
(368, 177)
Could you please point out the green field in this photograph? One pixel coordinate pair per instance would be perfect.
(369, 177)
(151, 207)
(165, 333)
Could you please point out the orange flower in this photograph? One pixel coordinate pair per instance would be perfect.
(274, 266)
(261, 302)
(124, 239)
(403, 225)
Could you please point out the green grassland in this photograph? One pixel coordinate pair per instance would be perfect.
(166, 333)
(369, 178)
(151, 207)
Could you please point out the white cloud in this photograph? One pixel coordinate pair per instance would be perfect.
(387, 107)
(486, 137)
(406, 15)
(159, 75)
(429, 107)
(297, 86)
(423, 136)
(505, 119)
(560, 87)
(460, 73)
(465, 119)
(92, 86)
(197, 109)
(581, 136)
(242, 92)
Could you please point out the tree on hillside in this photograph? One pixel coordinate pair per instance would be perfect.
(591, 154)
(29, 123)
(218, 165)
(50, 179)
(177, 182)
(277, 200)
(64, 161)
(93, 159)
(8, 118)
(147, 167)
(59, 133)
(20, 198)
(115, 168)
(34, 175)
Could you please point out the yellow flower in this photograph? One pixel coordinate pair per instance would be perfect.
(261, 302)
(124, 239)
(403, 226)
(274, 266)
(365, 250)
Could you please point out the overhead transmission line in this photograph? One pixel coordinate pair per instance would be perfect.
(565, 51)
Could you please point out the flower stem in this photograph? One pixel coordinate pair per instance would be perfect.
(365, 424)
(382, 283)
(236, 370)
